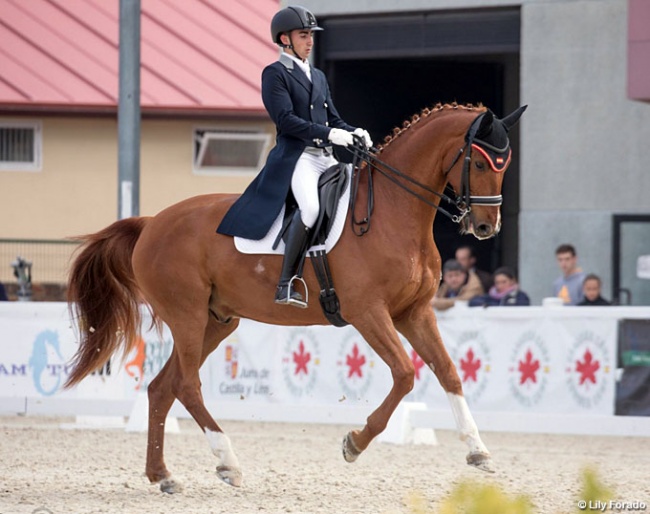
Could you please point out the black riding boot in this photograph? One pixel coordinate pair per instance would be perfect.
(294, 249)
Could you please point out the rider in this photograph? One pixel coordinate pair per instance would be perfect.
(297, 98)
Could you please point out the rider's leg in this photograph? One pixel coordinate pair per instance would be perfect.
(304, 185)
(294, 249)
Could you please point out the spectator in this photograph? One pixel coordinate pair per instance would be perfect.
(458, 284)
(591, 291)
(504, 292)
(466, 255)
(568, 287)
(3, 293)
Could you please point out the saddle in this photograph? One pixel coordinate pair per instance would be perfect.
(332, 184)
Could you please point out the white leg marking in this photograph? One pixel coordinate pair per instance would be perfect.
(465, 422)
(228, 468)
(221, 447)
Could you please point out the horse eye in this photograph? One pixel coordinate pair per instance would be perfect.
(480, 165)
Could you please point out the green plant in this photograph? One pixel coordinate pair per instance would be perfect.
(593, 490)
(476, 498)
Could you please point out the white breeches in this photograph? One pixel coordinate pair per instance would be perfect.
(304, 184)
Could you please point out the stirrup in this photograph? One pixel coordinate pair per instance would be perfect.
(296, 302)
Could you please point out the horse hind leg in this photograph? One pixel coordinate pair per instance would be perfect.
(161, 397)
(187, 388)
(228, 468)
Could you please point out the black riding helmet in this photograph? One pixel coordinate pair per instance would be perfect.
(292, 18)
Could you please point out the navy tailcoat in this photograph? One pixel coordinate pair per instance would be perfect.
(304, 114)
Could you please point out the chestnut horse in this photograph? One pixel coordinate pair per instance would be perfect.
(196, 282)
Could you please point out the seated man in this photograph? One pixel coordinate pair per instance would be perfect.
(466, 255)
(504, 292)
(457, 284)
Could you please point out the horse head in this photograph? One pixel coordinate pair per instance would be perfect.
(479, 180)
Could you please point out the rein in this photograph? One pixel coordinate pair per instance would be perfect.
(463, 202)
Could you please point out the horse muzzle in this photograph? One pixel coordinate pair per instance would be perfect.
(481, 227)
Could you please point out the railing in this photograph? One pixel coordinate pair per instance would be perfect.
(50, 259)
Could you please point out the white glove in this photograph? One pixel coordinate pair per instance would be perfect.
(364, 135)
(340, 137)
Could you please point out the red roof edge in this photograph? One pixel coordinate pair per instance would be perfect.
(146, 112)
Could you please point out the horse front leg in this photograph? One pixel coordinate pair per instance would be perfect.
(421, 330)
(378, 330)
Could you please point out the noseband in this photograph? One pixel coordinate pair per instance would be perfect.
(462, 202)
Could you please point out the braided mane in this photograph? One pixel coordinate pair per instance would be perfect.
(425, 113)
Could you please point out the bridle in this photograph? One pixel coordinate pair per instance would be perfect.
(462, 202)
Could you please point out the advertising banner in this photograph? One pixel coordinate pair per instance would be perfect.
(508, 359)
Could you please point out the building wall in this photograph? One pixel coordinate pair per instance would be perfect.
(582, 140)
(581, 150)
(76, 190)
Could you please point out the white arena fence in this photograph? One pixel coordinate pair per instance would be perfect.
(525, 369)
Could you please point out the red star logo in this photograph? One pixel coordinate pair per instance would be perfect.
(470, 366)
(587, 368)
(355, 361)
(418, 363)
(528, 368)
(301, 359)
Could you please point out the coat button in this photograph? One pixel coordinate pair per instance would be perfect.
(311, 106)
(327, 123)
(325, 105)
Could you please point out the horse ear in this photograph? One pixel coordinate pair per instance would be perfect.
(512, 118)
(486, 124)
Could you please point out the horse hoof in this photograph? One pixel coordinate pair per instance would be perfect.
(231, 476)
(481, 460)
(350, 451)
(170, 486)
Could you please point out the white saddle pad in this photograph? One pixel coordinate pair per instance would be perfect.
(265, 244)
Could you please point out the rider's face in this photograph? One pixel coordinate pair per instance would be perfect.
(302, 41)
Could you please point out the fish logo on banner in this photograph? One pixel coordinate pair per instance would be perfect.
(300, 362)
(354, 366)
(529, 369)
(47, 363)
(473, 362)
(588, 364)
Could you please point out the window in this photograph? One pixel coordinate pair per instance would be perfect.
(229, 150)
(20, 146)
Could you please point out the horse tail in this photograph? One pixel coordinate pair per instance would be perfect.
(103, 296)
